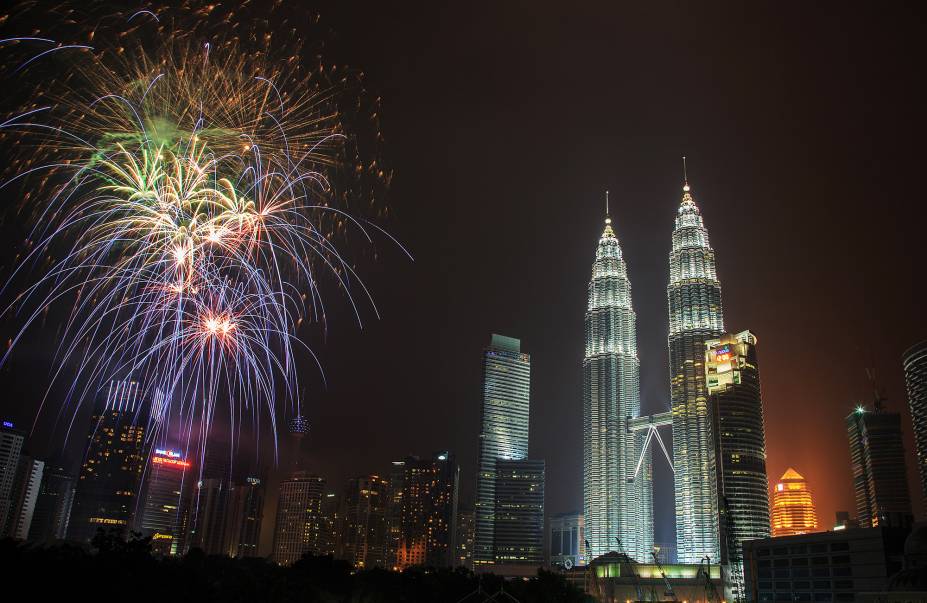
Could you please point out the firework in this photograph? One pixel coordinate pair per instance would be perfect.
(180, 183)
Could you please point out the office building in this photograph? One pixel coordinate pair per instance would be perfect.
(695, 316)
(733, 381)
(162, 492)
(11, 445)
(519, 516)
(428, 516)
(25, 493)
(299, 527)
(617, 497)
(915, 377)
(466, 531)
(503, 432)
(244, 518)
(880, 479)
(823, 566)
(364, 533)
(331, 524)
(107, 486)
(53, 507)
(792, 506)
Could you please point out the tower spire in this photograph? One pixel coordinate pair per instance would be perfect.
(608, 219)
(685, 175)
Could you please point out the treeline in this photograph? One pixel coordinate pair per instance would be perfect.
(124, 571)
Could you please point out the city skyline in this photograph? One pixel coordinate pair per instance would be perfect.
(743, 200)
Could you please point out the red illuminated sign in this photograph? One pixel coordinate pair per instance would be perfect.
(160, 460)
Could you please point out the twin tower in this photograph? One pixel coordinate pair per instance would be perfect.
(617, 466)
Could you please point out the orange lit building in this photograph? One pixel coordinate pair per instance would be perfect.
(792, 506)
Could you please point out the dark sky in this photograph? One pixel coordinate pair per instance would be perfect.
(505, 123)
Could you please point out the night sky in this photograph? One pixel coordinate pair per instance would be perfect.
(505, 123)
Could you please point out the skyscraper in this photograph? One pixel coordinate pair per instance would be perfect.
(53, 507)
(244, 517)
(299, 527)
(733, 381)
(503, 432)
(11, 445)
(428, 515)
(880, 479)
(792, 506)
(206, 507)
(163, 489)
(25, 493)
(107, 486)
(466, 528)
(332, 520)
(695, 316)
(519, 529)
(616, 502)
(364, 534)
(207, 515)
(915, 376)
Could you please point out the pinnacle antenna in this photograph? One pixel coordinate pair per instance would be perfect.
(685, 175)
(606, 203)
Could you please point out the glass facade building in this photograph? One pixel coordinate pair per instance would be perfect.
(519, 513)
(503, 433)
(243, 523)
(159, 515)
(733, 380)
(53, 508)
(880, 477)
(915, 376)
(616, 504)
(792, 506)
(695, 316)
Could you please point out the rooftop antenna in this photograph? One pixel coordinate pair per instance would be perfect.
(685, 175)
(608, 220)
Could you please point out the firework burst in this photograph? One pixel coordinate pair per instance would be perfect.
(181, 192)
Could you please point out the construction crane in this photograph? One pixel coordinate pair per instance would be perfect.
(669, 587)
(630, 563)
(734, 553)
(704, 571)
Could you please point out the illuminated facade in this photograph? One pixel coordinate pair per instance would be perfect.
(695, 316)
(299, 527)
(107, 485)
(160, 513)
(466, 528)
(503, 433)
(427, 511)
(792, 506)
(880, 477)
(567, 537)
(915, 377)
(733, 380)
(616, 504)
(519, 530)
